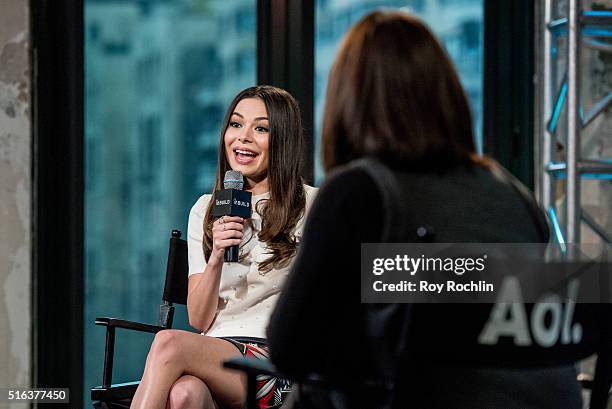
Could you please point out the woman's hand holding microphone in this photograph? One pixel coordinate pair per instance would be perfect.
(227, 232)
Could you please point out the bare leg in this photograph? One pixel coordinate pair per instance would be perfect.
(190, 392)
(175, 353)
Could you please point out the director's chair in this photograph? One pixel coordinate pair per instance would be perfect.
(109, 395)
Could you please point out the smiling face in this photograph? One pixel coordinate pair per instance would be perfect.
(246, 141)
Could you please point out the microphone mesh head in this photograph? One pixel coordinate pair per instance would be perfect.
(233, 180)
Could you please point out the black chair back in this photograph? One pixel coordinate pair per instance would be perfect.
(177, 271)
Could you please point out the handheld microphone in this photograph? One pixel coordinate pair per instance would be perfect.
(232, 201)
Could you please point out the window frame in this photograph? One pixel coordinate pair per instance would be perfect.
(509, 90)
(58, 188)
(285, 58)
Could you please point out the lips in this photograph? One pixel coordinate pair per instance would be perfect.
(244, 156)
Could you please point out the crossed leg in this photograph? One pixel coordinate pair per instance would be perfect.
(175, 354)
(190, 392)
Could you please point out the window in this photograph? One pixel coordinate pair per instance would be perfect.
(457, 23)
(158, 77)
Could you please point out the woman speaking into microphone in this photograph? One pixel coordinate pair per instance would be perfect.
(230, 303)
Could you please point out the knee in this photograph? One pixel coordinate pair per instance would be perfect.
(166, 346)
(186, 395)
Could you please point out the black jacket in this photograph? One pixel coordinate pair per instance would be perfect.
(320, 326)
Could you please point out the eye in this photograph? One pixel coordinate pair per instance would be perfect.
(262, 129)
(235, 124)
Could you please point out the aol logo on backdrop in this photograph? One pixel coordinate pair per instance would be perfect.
(509, 319)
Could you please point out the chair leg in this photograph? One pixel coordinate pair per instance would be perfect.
(252, 391)
(121, 404)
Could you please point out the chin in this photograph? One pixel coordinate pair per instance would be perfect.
(246, 170)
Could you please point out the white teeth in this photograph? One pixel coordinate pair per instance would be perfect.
(240, 151)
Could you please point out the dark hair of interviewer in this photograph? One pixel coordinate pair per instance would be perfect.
(281, 213)
(393, 94)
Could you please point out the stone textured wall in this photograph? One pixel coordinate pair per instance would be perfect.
(15, 196)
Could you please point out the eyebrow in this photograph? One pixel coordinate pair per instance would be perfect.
(259, 118)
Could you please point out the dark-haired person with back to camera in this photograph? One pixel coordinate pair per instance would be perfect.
(393, 95)
(262, 139)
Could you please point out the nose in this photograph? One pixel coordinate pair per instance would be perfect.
(246, 135)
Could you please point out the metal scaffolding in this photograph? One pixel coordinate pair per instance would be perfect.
(581, 28)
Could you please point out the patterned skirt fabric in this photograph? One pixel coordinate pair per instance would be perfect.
(270, 389)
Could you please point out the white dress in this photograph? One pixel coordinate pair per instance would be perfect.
(246, 296)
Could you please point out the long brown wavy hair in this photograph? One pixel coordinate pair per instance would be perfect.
(394, 94)
(282, 211)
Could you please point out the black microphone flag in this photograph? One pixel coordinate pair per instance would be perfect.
(232, 201)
